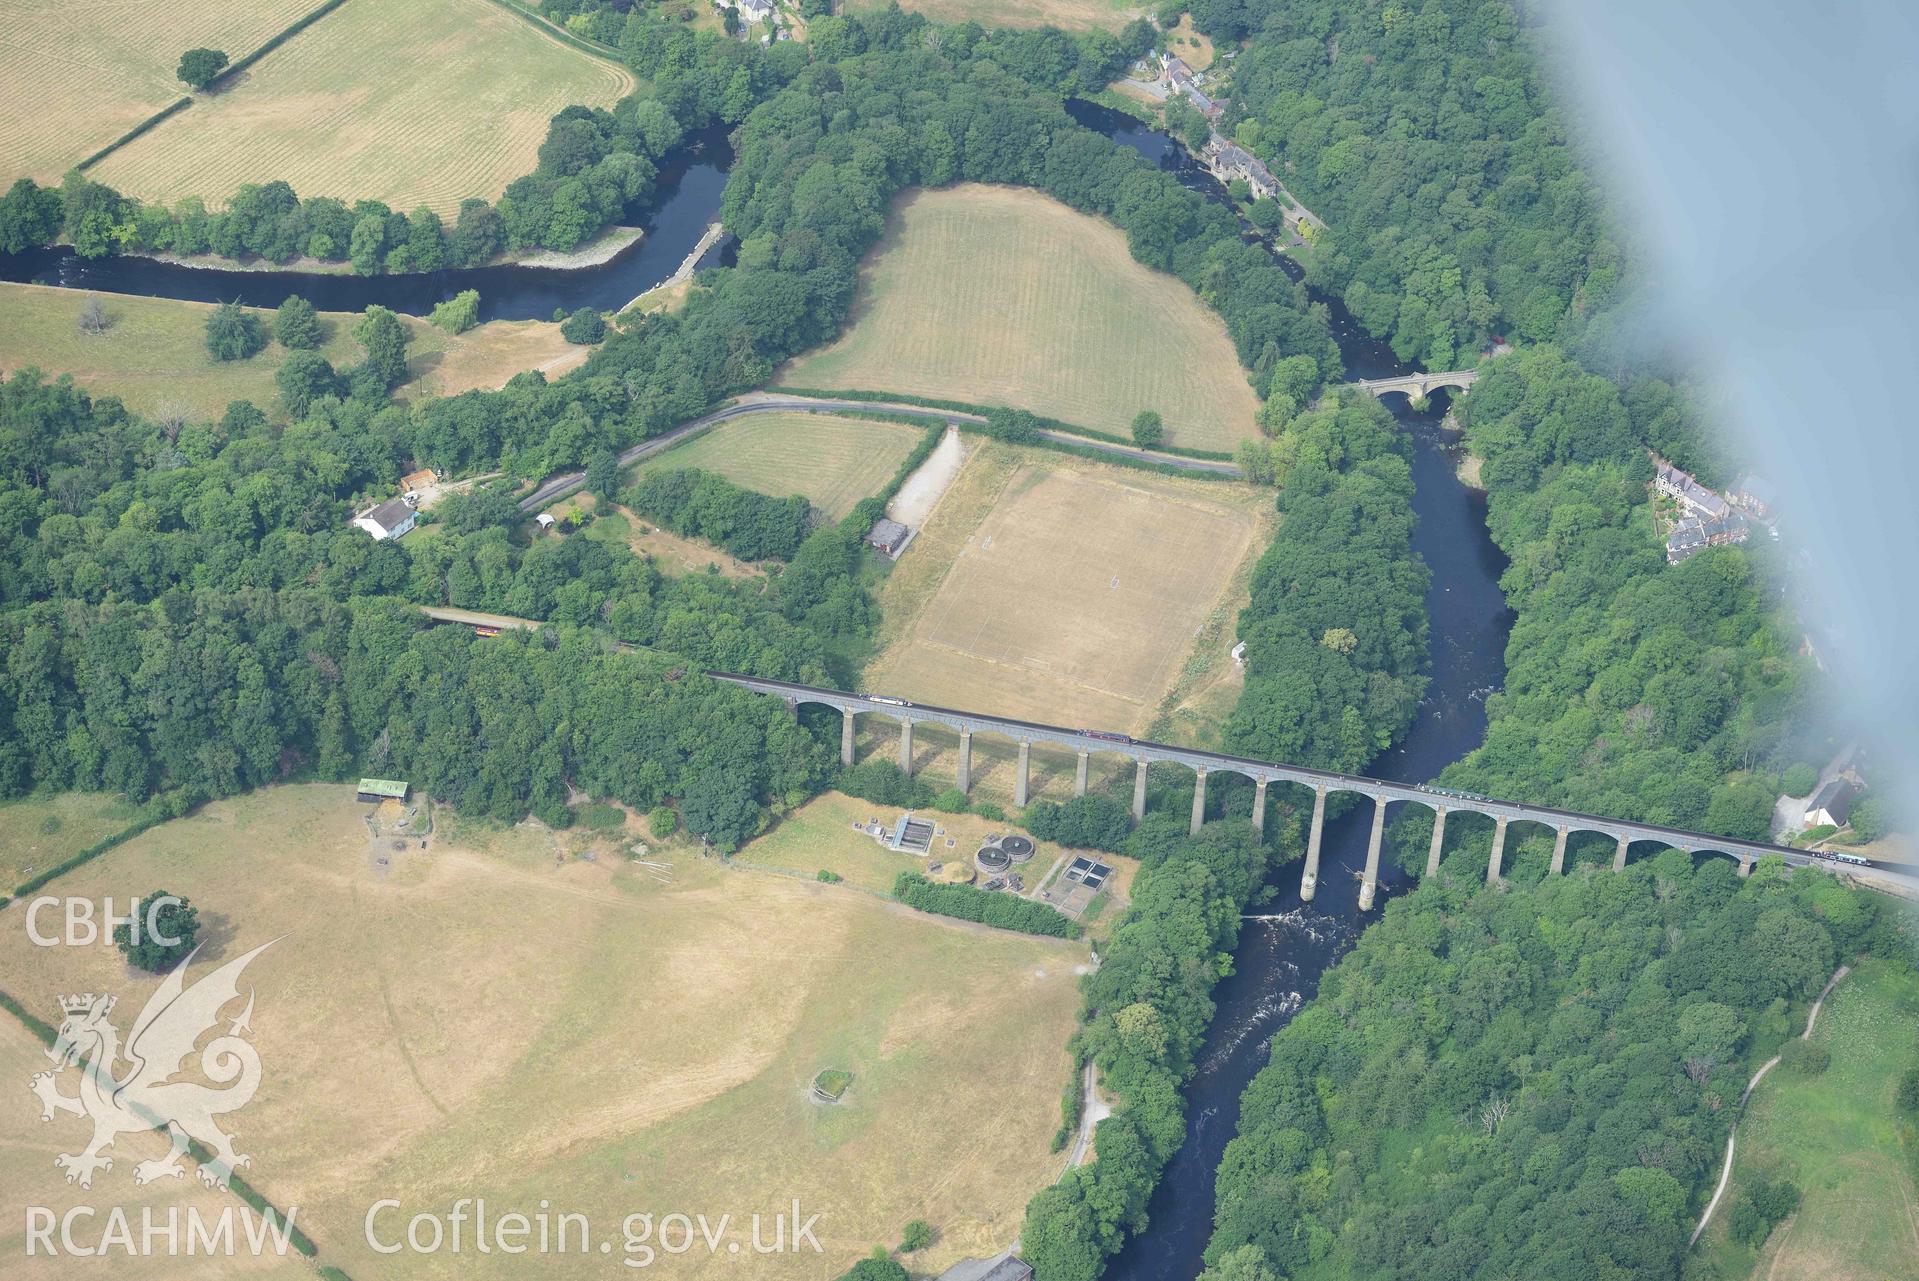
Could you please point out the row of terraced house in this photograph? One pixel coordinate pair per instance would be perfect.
(1705, 518)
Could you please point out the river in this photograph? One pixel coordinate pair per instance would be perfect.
(690, 186)
(1284, 949)
(1288, 945)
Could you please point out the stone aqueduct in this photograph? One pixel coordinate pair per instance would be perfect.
(1322, 783)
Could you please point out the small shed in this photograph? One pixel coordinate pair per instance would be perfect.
(889, 536)
(1011, 1268)
(390, 519)
(544, 520)
(415, 481)
(382, 789)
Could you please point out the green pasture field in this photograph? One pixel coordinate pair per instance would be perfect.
(832, 462)
(1838, 1137)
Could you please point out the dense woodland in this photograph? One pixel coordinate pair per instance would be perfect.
(1530, 1084)
(1456, 206)
(1673, 694)
(1538, 1083)
(1335, 631)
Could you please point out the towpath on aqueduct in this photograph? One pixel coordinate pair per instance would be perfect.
(1262, 773)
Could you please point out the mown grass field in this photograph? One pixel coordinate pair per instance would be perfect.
(1838, 1137)
(1070, 15)
(499, 1016)
(154, 355)
(1000, 295)
(76, 76)
(408, 101)
(1061, 590)
(833, 462)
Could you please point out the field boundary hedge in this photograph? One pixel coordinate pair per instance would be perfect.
(969, 903)
(604, 52)
(45, 1034)
(1051, 424)
(181, 104)
(85, 856)
(172, 109)
(286, 34)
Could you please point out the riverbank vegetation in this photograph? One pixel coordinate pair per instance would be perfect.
(1537, 1084)
(1335, 631)
(1146, 1011)
(1670, 694)
(1455, 203)
(594, 166)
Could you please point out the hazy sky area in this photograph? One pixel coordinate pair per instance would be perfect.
(1767, 156)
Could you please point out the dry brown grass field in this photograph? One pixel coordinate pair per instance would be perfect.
(1071, 15)
(500, 1016)
(1061, 590)
(76, 76)
(1000, 295)
(408, 101)
(833, 462)
(672, 553)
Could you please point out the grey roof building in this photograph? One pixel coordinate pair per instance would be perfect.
(1831, 805)
(390, 519)
(889, 536)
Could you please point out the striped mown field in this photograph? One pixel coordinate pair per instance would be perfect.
(1004, 296)
(413, 102)
(76, 76)
(834, 462)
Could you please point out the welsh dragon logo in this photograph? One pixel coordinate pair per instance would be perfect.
(145, 1097)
